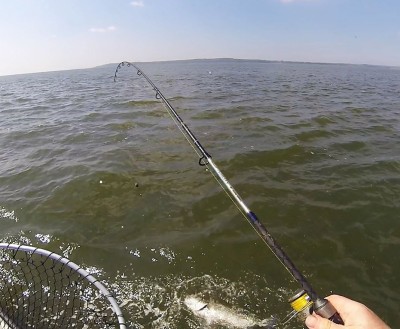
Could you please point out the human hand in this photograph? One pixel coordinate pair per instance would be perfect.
(355, 316)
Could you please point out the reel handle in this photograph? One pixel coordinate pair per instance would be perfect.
(324, 308)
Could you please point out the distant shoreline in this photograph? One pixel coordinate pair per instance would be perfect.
(227, 59)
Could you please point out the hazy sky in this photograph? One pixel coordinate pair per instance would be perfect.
(45, 35)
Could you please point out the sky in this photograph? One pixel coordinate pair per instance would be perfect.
(51, 35)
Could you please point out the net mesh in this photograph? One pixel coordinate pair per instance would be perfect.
(40, 289)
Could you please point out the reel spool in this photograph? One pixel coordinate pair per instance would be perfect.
(301, 304)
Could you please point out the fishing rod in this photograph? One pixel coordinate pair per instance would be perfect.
(304, 297)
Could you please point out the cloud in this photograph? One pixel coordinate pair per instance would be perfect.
(137, 3)
(102, 29)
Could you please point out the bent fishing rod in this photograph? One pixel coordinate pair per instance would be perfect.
(307, 295)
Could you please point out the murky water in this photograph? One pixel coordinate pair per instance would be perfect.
(97, 171)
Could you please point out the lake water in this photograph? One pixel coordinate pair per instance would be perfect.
(97, 171)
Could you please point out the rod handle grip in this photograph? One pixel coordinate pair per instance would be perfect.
(324, 308)
(336, 319)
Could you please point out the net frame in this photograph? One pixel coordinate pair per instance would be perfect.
(26, 292)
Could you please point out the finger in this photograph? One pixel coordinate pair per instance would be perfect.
(316, 322)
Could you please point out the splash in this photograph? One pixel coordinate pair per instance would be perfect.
(176, 301)
(6, 214)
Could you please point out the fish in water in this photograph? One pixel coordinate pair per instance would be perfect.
(217, 314)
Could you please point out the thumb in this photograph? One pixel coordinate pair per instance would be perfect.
(316, 322)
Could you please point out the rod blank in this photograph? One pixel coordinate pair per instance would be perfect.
(251, 216)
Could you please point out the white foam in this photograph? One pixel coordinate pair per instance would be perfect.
(44, 238)
(6, 214)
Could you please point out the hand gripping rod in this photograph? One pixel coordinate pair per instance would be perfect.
(320, 305)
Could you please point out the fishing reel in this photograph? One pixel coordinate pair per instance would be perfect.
(303, 305)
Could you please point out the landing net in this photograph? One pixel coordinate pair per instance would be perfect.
(40, 289)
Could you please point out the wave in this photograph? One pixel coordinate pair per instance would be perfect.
(294, 153)
(139, 103)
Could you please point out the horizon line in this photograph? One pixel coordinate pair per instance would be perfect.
(206, 59)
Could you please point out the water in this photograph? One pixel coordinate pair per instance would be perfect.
(98, 172)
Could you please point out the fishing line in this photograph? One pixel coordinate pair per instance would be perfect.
(307, 294)
(206, 165)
